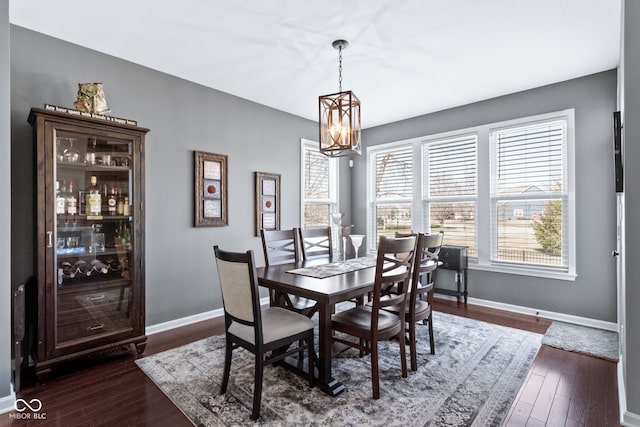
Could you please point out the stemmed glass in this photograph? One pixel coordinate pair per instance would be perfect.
(337, 220)
(356, 241)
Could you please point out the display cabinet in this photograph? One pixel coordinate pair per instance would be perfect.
(90, 236)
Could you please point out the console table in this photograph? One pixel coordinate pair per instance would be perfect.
(454, 258)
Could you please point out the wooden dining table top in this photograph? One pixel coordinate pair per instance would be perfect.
(327, 290)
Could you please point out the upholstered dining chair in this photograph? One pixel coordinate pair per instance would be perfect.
(260, 331)
(281, 247)
(315, 242)
(369, 323)
(420, 298)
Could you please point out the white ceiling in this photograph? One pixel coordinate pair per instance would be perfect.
(406, 57)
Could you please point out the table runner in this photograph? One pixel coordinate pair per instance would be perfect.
(335, 268)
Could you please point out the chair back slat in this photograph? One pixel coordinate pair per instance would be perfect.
(316, 242)
(280, 246)
(426, 260)
(393, 271)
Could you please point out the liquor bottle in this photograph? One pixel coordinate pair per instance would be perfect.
(112, 202)
(100, 266)
(120, 203)
(72, 202)
(60, 198)
(94, 198)
(126, 208)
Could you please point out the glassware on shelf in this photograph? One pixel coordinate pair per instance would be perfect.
(59, 150)
(71, 153)
(356, 241)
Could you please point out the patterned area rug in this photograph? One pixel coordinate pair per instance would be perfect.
(472, 380)
(582, 339)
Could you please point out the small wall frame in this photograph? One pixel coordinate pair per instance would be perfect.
(210, 192)
(267, 201)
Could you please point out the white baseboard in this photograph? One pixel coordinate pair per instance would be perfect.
(7, 403)
(568, 318)
(184, 321)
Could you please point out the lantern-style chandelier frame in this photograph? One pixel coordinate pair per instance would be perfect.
(339, 119)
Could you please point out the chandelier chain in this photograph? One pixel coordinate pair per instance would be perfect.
(340, 69)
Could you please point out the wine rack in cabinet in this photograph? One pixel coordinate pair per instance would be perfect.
(90, 269)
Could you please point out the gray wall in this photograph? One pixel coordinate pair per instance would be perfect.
(632, 195)
(593, 293)
(5, 208)
(182, 116)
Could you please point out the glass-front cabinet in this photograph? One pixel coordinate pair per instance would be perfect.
(90, 239)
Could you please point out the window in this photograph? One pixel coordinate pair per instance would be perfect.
(319, 186)
(505, 190)
(450, 186)
(391, 192)
(529, 196)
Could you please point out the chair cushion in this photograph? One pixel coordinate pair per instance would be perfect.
(277, 323)
(360, 317)
(422, 309)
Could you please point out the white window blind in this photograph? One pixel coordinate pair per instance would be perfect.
(529, 195)
(392, 197)
(450, 180)
(319, 186)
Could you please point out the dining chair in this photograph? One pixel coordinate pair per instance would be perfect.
(368, 323)
(282, 247)
(418, 303)
(315, 242)
(267, 333)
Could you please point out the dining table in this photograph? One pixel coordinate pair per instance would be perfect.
(345, 284)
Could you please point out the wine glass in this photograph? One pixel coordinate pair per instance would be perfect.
(356, 241)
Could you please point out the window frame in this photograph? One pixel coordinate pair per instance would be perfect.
(371, 227)
(333, 200)
(485, 240)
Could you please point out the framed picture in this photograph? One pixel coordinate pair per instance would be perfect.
(210, 192)
(267, 201)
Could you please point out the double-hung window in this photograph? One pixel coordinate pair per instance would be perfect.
(505, 190)
(530, 194)
(319, 186)
(390, 192)
(450, 188)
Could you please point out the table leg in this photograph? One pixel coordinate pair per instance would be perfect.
(326, 382)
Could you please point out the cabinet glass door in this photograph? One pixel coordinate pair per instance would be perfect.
(94, 236)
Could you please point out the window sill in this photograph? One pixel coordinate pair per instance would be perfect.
(522, 271)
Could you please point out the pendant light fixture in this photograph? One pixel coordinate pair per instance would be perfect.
(339, 117)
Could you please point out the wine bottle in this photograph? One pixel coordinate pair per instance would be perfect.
(112, 202)
(60, 199)
(100, 266)
(68, 269)
(94, 198)
(72, 202)
(83, 267)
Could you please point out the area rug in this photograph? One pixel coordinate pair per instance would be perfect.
(582, 339)
(472, 380)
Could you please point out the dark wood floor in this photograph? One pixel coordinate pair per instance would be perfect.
(561, 389)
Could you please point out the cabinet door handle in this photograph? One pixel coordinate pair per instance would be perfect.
(49, 239)
(96, 327)
(95, 298)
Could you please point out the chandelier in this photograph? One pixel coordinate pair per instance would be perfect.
(339, 117)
